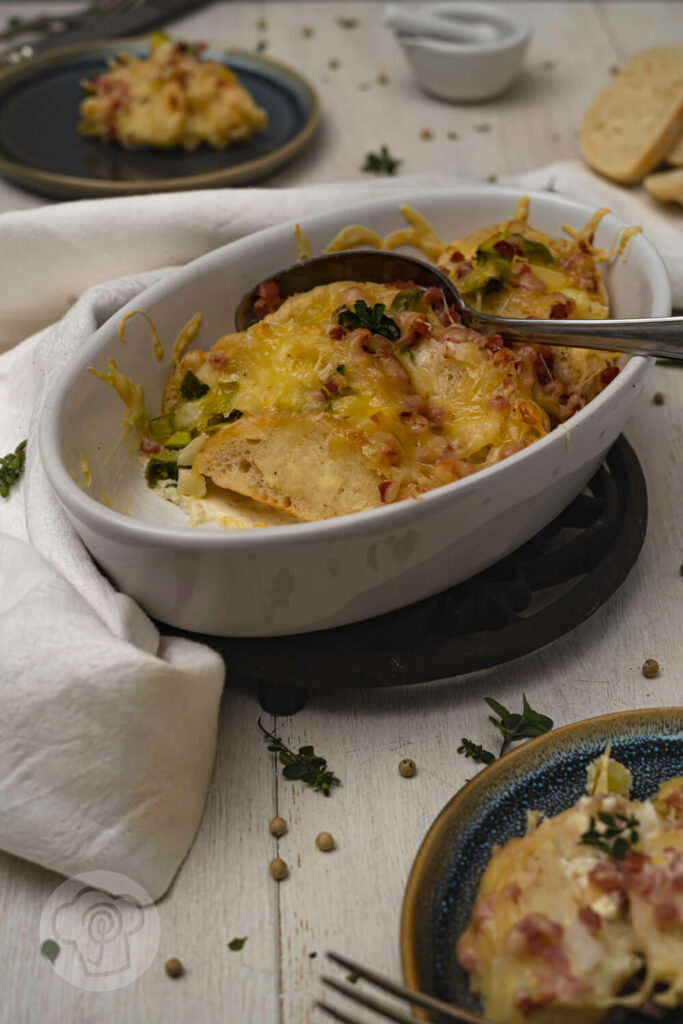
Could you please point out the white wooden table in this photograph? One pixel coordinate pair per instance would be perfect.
(349, 900)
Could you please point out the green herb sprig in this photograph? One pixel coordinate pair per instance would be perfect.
(381, 163)
(11, 468)
(475, 750)
(614, 839)
(304, 765)
(516, 727)
(512, 725)
(372, 320)
(347, 22)
(236, 944)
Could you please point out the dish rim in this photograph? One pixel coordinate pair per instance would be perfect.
(111, 523)
(509, 761)
(107, 187)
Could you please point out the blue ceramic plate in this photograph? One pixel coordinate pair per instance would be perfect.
(41, 149)
(547, 774)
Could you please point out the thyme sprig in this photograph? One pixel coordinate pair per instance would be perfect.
(381, 163)
(614, 839)
(305, 765)
(475, 750)
(516, 727)
(11, 468)
(512, 725)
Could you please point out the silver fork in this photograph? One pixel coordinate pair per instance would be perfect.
(45, 26)
(442, 1011)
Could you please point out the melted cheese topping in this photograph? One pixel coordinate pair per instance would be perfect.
(425, 413)
(562, 930)
(432, 405)
(169, 99)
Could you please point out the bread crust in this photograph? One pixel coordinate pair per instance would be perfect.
(667, 186)
(634, 125)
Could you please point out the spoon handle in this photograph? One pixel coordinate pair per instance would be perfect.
(657, 336)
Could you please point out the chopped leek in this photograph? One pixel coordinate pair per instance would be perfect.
(179, 439)
(162, 426)
(407, 299)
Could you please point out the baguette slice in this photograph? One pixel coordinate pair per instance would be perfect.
(675, 155)
(667, 186)
(632, 126)
(306, 465)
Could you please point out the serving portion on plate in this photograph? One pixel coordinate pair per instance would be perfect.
(320, 574)
(171, 97)
(153, 111)
(552, 884)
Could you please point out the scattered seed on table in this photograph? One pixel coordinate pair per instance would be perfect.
(482, 128)
(382, 79)
(650, 668)
(261, 25)
(174, 968)
(307, 32)
(334, 63)
(614, 69)
(547, 65)
(658, 398)
(680, 568)
(452, 135)
(261, 45)
(278, 869)
(312, 956)
(426, 133)
(407, 768)
(324, 841)
(277, 826)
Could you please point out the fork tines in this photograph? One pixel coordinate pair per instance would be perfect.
(441, 1011)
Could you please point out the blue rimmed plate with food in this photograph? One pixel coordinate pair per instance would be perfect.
(550, 888)
(132, 116)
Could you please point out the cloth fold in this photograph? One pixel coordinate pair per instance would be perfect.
(107, 730)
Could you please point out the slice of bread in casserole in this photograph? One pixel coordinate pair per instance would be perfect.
(667, 186)
(632, 126)
(307, 465)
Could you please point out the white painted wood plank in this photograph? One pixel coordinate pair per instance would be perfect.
(637, 26)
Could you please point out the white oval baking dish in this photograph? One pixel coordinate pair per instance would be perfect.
(310, 576)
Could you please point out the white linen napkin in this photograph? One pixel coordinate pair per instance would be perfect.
(107, 730)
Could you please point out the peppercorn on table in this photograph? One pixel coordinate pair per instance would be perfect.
(278, 873)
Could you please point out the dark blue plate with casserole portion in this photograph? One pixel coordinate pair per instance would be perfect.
(41, 149)
(547, 774)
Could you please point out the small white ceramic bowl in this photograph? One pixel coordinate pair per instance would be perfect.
(309, 576)
(468, 72)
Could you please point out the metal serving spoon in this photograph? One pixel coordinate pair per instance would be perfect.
(650, 336)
